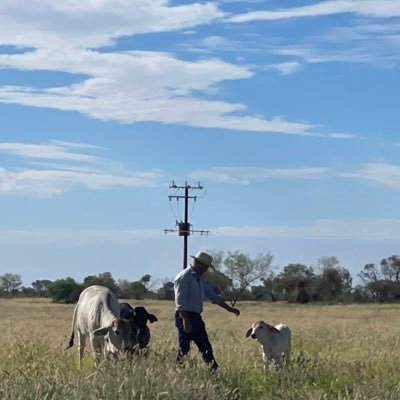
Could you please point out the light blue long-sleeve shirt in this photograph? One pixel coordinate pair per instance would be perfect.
(190, 291)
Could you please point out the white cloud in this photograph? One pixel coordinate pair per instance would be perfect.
(49, 183)
(214, 44)
(247, 175)
(286, 68)
(217, 42)
(129, 86)
(383, 174)
(373, 229)
(324, 229)
(55, 179)
(56, 151)
(375, 44)
(140, 86)
(339, 135)
(380, 173)
(363, 41)
(365, 8)
(85, 23)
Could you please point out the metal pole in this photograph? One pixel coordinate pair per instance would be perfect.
(185, 237)
(184, 227)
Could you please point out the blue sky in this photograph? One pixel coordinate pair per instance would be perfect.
(286, 112)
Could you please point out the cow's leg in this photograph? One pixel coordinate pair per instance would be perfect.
(267, 360)
(97, 343)
(287, 357)
(109, 350)
(81, 347)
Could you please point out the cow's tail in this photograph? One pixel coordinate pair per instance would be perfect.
(72, 336)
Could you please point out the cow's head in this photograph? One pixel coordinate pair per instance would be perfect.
(120, 334)
(260, 329)
(140, 318)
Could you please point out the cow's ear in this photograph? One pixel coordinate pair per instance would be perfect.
(101, 331)
(248, 333)
(152, 318)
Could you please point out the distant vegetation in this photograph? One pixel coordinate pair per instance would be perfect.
(239, 277)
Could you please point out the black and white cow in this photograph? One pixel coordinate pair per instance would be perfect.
(138, 317)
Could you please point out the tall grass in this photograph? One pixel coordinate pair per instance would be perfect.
(339, 352)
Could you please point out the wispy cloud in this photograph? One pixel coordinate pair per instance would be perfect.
(380, 173)
(50, 183)
(371, 229)
(369, 43)
(285, 68)
(323, 229)
(366, 39)
(341, 135)
(44, 179)
(247, 175)
(91, 24)
(141, 86)
(365, 8)
(128, 86)
(55, 151)
(211, 44)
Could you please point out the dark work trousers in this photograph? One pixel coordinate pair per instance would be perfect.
(199, 336)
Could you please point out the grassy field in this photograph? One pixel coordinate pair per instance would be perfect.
(339, 352)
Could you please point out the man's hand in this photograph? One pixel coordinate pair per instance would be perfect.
(235, 311)
(186, 326)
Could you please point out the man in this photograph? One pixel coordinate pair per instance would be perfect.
(190, 288)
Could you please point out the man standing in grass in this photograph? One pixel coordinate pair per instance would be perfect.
(190, 288)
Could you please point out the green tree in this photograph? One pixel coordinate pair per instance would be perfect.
(390, 268)
(166, 291)
(220, 282)
(40, 286)
(370, 273)
(382, 282)
(243, 271)
(335, 282)
(260, 292)
(294, 279)
(361, 295)
(124, 288)
(103, 279)
(137, 290)
(10, 282)
(65, 290)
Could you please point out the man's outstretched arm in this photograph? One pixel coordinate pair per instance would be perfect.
(227, 307)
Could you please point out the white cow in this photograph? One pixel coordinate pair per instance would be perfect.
(96, 316)
(275, 341)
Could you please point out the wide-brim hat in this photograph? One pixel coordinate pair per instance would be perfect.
(204, 258)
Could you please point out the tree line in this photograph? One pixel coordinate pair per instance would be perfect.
(238, 276)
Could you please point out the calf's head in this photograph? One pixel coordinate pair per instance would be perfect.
(260, 329)
(140, 318)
